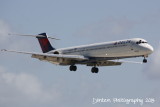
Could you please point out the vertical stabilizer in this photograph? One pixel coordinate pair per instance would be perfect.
(44, 43)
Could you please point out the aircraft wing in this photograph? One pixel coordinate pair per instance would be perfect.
(53, 58)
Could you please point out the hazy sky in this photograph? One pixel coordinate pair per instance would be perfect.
(29, 82)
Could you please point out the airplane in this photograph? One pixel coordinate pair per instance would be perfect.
(95, 55)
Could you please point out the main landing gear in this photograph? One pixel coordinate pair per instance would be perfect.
(73, 68)
(94, 70)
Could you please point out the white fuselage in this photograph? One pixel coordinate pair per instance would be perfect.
(99, 54)
(120, 48)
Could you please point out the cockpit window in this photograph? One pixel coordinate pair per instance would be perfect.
(141, 41)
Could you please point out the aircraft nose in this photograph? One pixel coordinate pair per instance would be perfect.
(150, 49)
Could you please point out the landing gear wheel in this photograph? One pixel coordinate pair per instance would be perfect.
(144, 60)
(73, 68)
(94, 70)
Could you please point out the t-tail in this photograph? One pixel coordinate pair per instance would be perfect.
(44, 43)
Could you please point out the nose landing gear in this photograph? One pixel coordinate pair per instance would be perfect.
(144, 60)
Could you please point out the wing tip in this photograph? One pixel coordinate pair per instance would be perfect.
(3, 50)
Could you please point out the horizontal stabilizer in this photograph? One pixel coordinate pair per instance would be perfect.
(35, 36)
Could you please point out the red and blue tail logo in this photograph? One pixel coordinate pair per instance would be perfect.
(44, 43)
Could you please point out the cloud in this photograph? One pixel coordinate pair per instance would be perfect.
(109, 29)
(23, 89)
(152, 69)
(13, 42)
(4, 30)
(154, 96)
